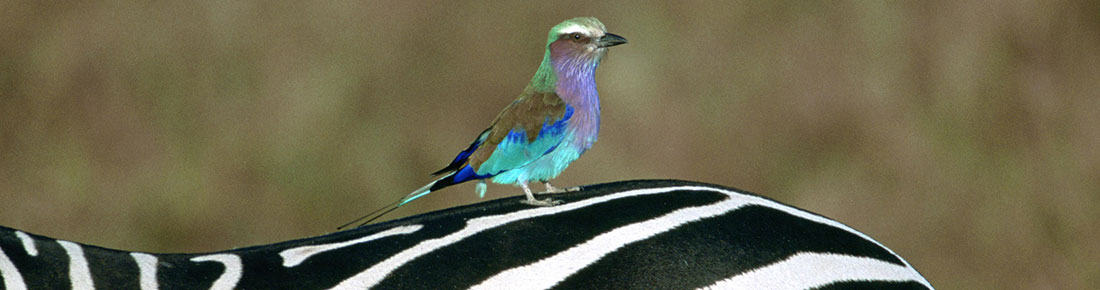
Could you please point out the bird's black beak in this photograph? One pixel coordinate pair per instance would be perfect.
(609, 40)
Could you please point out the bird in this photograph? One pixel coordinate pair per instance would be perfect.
(554, 120)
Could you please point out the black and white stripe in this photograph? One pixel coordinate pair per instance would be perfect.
(632, 234)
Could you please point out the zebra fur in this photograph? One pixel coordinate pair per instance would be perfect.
(645, 234)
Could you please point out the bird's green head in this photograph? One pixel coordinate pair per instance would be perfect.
(581, 38)
(574, 49)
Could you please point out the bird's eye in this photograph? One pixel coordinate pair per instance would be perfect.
(576, 36)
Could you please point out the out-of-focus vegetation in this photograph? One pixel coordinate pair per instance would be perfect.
(965, 135)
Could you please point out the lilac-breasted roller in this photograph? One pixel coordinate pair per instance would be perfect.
(550, 124)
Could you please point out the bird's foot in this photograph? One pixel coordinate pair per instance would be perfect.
(552, 189)
(531, 200)
(542, 202)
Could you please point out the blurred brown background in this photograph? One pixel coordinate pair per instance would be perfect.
(962, 134)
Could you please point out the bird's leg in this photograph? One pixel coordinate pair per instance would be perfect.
(552, 189)
(535, 202)
(527, 191)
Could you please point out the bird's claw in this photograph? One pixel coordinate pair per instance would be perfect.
(553, 189)
(542, 202)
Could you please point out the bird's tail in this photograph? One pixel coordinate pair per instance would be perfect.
(373, 215)
(419, 192)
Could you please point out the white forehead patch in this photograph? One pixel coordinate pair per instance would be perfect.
(576, 28)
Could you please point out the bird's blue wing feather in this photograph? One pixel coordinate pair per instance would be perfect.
(517, 150)
(464, 156)
(531, 126)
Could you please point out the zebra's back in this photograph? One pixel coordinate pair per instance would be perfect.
(647, 234)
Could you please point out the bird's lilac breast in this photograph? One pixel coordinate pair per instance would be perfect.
(579, 91)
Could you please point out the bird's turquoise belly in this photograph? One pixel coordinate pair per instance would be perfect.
(543, 169)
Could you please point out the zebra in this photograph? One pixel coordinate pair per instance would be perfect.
(639, 234)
